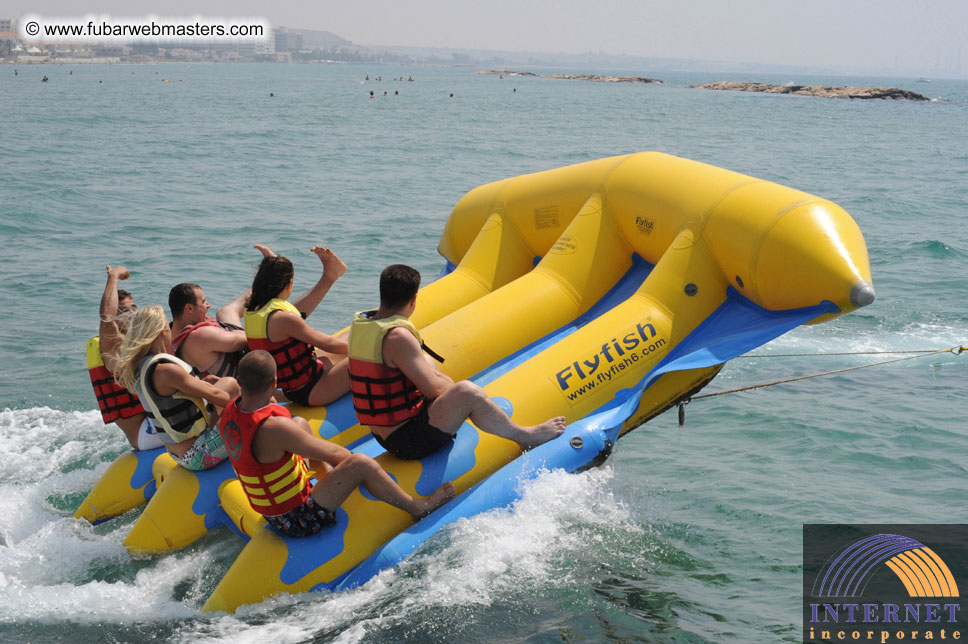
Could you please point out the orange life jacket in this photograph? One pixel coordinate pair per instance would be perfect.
(113, 400)
(272, 488)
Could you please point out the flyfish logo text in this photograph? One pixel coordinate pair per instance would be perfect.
(614, 357)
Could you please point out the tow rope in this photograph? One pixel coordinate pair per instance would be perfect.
(920, 353)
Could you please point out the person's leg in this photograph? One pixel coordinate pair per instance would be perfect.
(333, 385)
(466, 400)
(359, 469)
(232, 312)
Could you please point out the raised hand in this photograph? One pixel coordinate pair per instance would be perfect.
(119, 272)
(265, 250)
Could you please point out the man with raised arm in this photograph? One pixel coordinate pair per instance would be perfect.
(410, 406)
(267, 446)
(117, 404)
(211, 345)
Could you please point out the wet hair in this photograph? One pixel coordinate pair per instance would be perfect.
(398, 285)
(272, 277)
(144, 327)
(180, 296)
(123, 295)
(256, 371)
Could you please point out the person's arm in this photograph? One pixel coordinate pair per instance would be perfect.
(291, 325)
(333, 269)
(402, 350)
(279, 434)
(108, 328)
(170, 376)
(210, 338)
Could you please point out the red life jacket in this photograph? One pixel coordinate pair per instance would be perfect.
(272, 488)
(113, 400)
(382, 396)
(179, 339)
(224, 366)
(296, 362)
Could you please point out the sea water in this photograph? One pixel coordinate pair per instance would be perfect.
(688, 534)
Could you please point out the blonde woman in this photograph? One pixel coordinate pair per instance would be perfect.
(176, 400)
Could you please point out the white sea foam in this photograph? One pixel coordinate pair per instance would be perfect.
(485, 559)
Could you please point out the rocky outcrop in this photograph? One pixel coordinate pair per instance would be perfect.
(585, 77)
(823, 91)
(504, 72)
(605, 79)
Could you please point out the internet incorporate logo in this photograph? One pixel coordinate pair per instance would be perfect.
(922, 572)
(909, 590)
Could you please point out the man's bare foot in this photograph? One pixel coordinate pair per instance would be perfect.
(543, 433)
(333, 266)
(265, 250)
(440, 496)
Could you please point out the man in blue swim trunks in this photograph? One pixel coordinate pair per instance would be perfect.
(267, 447)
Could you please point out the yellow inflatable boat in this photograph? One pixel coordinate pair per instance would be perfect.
(605, 291)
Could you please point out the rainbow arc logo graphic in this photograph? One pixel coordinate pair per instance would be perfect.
(922, 572)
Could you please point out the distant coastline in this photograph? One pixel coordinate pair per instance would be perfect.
(823, 91)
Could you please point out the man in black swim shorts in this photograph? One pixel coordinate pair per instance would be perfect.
(411, 407)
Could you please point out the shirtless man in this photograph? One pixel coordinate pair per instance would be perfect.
(265, 443)
(213, 346)
(410, 406)
(117, 404)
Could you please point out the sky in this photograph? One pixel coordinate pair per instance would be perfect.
(873, 35)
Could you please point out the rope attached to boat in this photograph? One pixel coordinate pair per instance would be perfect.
(920, 353)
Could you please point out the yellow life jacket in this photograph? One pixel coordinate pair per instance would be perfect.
(296, 361)
(382, 396)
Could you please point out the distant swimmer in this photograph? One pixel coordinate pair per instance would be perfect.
(43, 80)
(367, 77)
(272, 93)
(410, 79)
(71, 73)
(396, 93)
(411, 408)
(372, 94)
(384, 93)
(15, 72)
(515, 90)
(452, 95)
